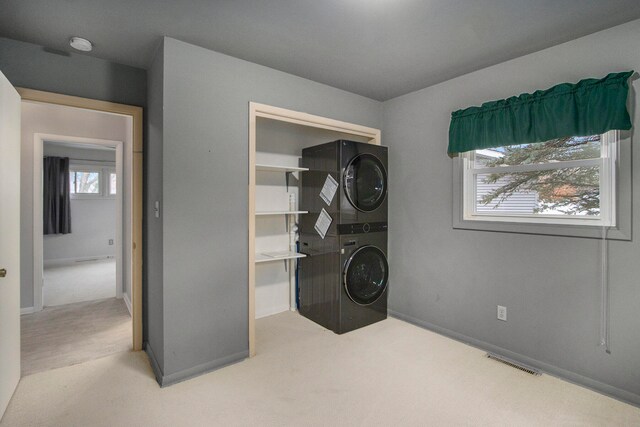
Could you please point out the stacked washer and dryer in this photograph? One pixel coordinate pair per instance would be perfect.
(343, 279)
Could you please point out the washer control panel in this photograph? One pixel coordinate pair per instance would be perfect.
(362, 228)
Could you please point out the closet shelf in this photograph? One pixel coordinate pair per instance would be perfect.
(278, 168)
(277, 256)
(264, 213)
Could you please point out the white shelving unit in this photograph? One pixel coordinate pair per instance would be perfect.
(288, 170)
(265, 213)
(277, 256)
(276, 200)
(278, 168)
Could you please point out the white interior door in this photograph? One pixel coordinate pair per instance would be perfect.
(9, 241)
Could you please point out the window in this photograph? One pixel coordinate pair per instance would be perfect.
(92, 181)
(85, 182)
(113, 188)
(576, 186)
(567, 181)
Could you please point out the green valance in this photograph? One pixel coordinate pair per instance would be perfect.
(589, 107)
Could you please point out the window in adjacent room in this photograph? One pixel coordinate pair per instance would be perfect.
(567, 181)
(112, 184)
(92, 181)
(85, 182)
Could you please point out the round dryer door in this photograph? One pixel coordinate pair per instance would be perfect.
(365, 275)
(365, 182)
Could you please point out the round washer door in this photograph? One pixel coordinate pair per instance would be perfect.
(365, 182)
(365, 275)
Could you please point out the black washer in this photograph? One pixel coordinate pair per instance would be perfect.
(365, 275)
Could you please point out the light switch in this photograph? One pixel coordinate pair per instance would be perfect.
(156, 209)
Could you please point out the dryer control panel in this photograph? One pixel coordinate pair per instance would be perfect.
(361, 228)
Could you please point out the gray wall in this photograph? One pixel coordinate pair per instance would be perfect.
(204, 196)
(35, 67)
(152, 237)
(451, 280)
(93, 221)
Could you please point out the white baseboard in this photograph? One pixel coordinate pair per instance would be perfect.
(70, 261)
(127, 301)
(27, 310)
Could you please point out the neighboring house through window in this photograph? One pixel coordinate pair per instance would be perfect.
(563, 181)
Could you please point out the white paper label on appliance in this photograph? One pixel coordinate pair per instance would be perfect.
(322, 223)
(329, 189)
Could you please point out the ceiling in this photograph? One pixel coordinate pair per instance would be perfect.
(377, 48)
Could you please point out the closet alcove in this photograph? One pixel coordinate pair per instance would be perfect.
(276, 139)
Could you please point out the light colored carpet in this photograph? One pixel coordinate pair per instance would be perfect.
(83, 281)
(74, 333)
(388, 374)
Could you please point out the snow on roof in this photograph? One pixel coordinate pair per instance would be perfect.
(490, 153)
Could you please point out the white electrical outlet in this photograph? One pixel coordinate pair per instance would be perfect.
(110, 242)
(502, 313)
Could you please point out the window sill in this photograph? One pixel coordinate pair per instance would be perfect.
(97, 197)
(584, 231)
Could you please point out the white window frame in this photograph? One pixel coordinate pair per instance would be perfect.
(606, 163)
(103, 169)
(87, 169)
(106, 172)
(616, 178)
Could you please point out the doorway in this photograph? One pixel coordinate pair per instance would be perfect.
(85, 261)
(108, 178)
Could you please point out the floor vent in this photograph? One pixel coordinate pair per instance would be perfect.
(514, 364)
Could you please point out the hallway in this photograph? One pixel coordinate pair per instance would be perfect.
(69, 334)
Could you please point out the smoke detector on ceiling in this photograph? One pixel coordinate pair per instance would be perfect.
(81, 44)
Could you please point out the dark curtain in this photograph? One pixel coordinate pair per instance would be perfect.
(57, 200)
(589, 107)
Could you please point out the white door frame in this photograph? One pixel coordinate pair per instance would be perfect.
(38, 256)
